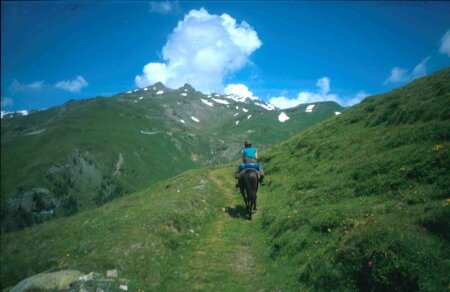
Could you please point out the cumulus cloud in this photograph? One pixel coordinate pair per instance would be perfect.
(240, 90)
(6, 101)
(357, 98)
(322, 94)
(445, 44)
(420, 69)
(72, 85)
(202, 50)
(16, 86)
(399, 75)
(164, 7)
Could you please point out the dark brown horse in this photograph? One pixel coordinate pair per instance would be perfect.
(248, 184)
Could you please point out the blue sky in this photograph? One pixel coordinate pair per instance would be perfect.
(283, 52)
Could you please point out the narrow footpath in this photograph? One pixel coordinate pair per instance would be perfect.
(229, 257)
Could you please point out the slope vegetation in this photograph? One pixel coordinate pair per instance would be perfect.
(187, 233)
(363, 199)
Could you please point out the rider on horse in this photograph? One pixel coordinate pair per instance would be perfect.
(249, 159)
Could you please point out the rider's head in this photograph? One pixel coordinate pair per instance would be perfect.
(247, 144)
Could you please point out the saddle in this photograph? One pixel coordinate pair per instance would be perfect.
(250, 169)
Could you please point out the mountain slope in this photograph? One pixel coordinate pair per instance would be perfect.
(363, 199)
(357, 202)
(82, 154)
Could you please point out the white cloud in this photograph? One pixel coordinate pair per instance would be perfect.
(397, 75)
(400, 75)
(322, 94)
(6, 101)
(284, 102)
(72, 85)
(164, 7)
(16, 86)
(323, 85)
(240, 90)
(420, 69)
(445, 44)
(357, 98)
(202, 50)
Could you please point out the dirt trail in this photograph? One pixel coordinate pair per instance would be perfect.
(118, 164)
(227, 258)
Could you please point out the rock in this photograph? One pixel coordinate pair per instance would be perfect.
(87, 277)
(111, 273)
(48, 281)
(123, 287)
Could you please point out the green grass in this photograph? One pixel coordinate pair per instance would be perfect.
(188, 233)
(143, 235)
(363, 199)
(357, 202)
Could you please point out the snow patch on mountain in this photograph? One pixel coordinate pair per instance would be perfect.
(23, 113)
(310, 108)
(236, 114)
(245, 110)
(207, 102)
(195, 119)
(337, 113)
(160, 92)
(248, 117)
(283, 117)
(145, 89)
(222, 101)
(183, 94)
(267, 106)
(235, 97)
(237, 122)
(141, 98)
(182, 121)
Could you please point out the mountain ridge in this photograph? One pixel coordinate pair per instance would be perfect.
(72, 150)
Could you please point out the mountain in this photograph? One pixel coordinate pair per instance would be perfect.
(359, 201)
(73, 157)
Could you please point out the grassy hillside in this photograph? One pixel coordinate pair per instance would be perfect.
(358, 202)
(187, 233)
(363, 199)
(84, 153)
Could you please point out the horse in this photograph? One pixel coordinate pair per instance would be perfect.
(248, 184)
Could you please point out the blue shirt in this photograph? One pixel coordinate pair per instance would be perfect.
(249, 154)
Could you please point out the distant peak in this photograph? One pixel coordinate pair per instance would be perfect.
(188, 87)
(159, 85)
